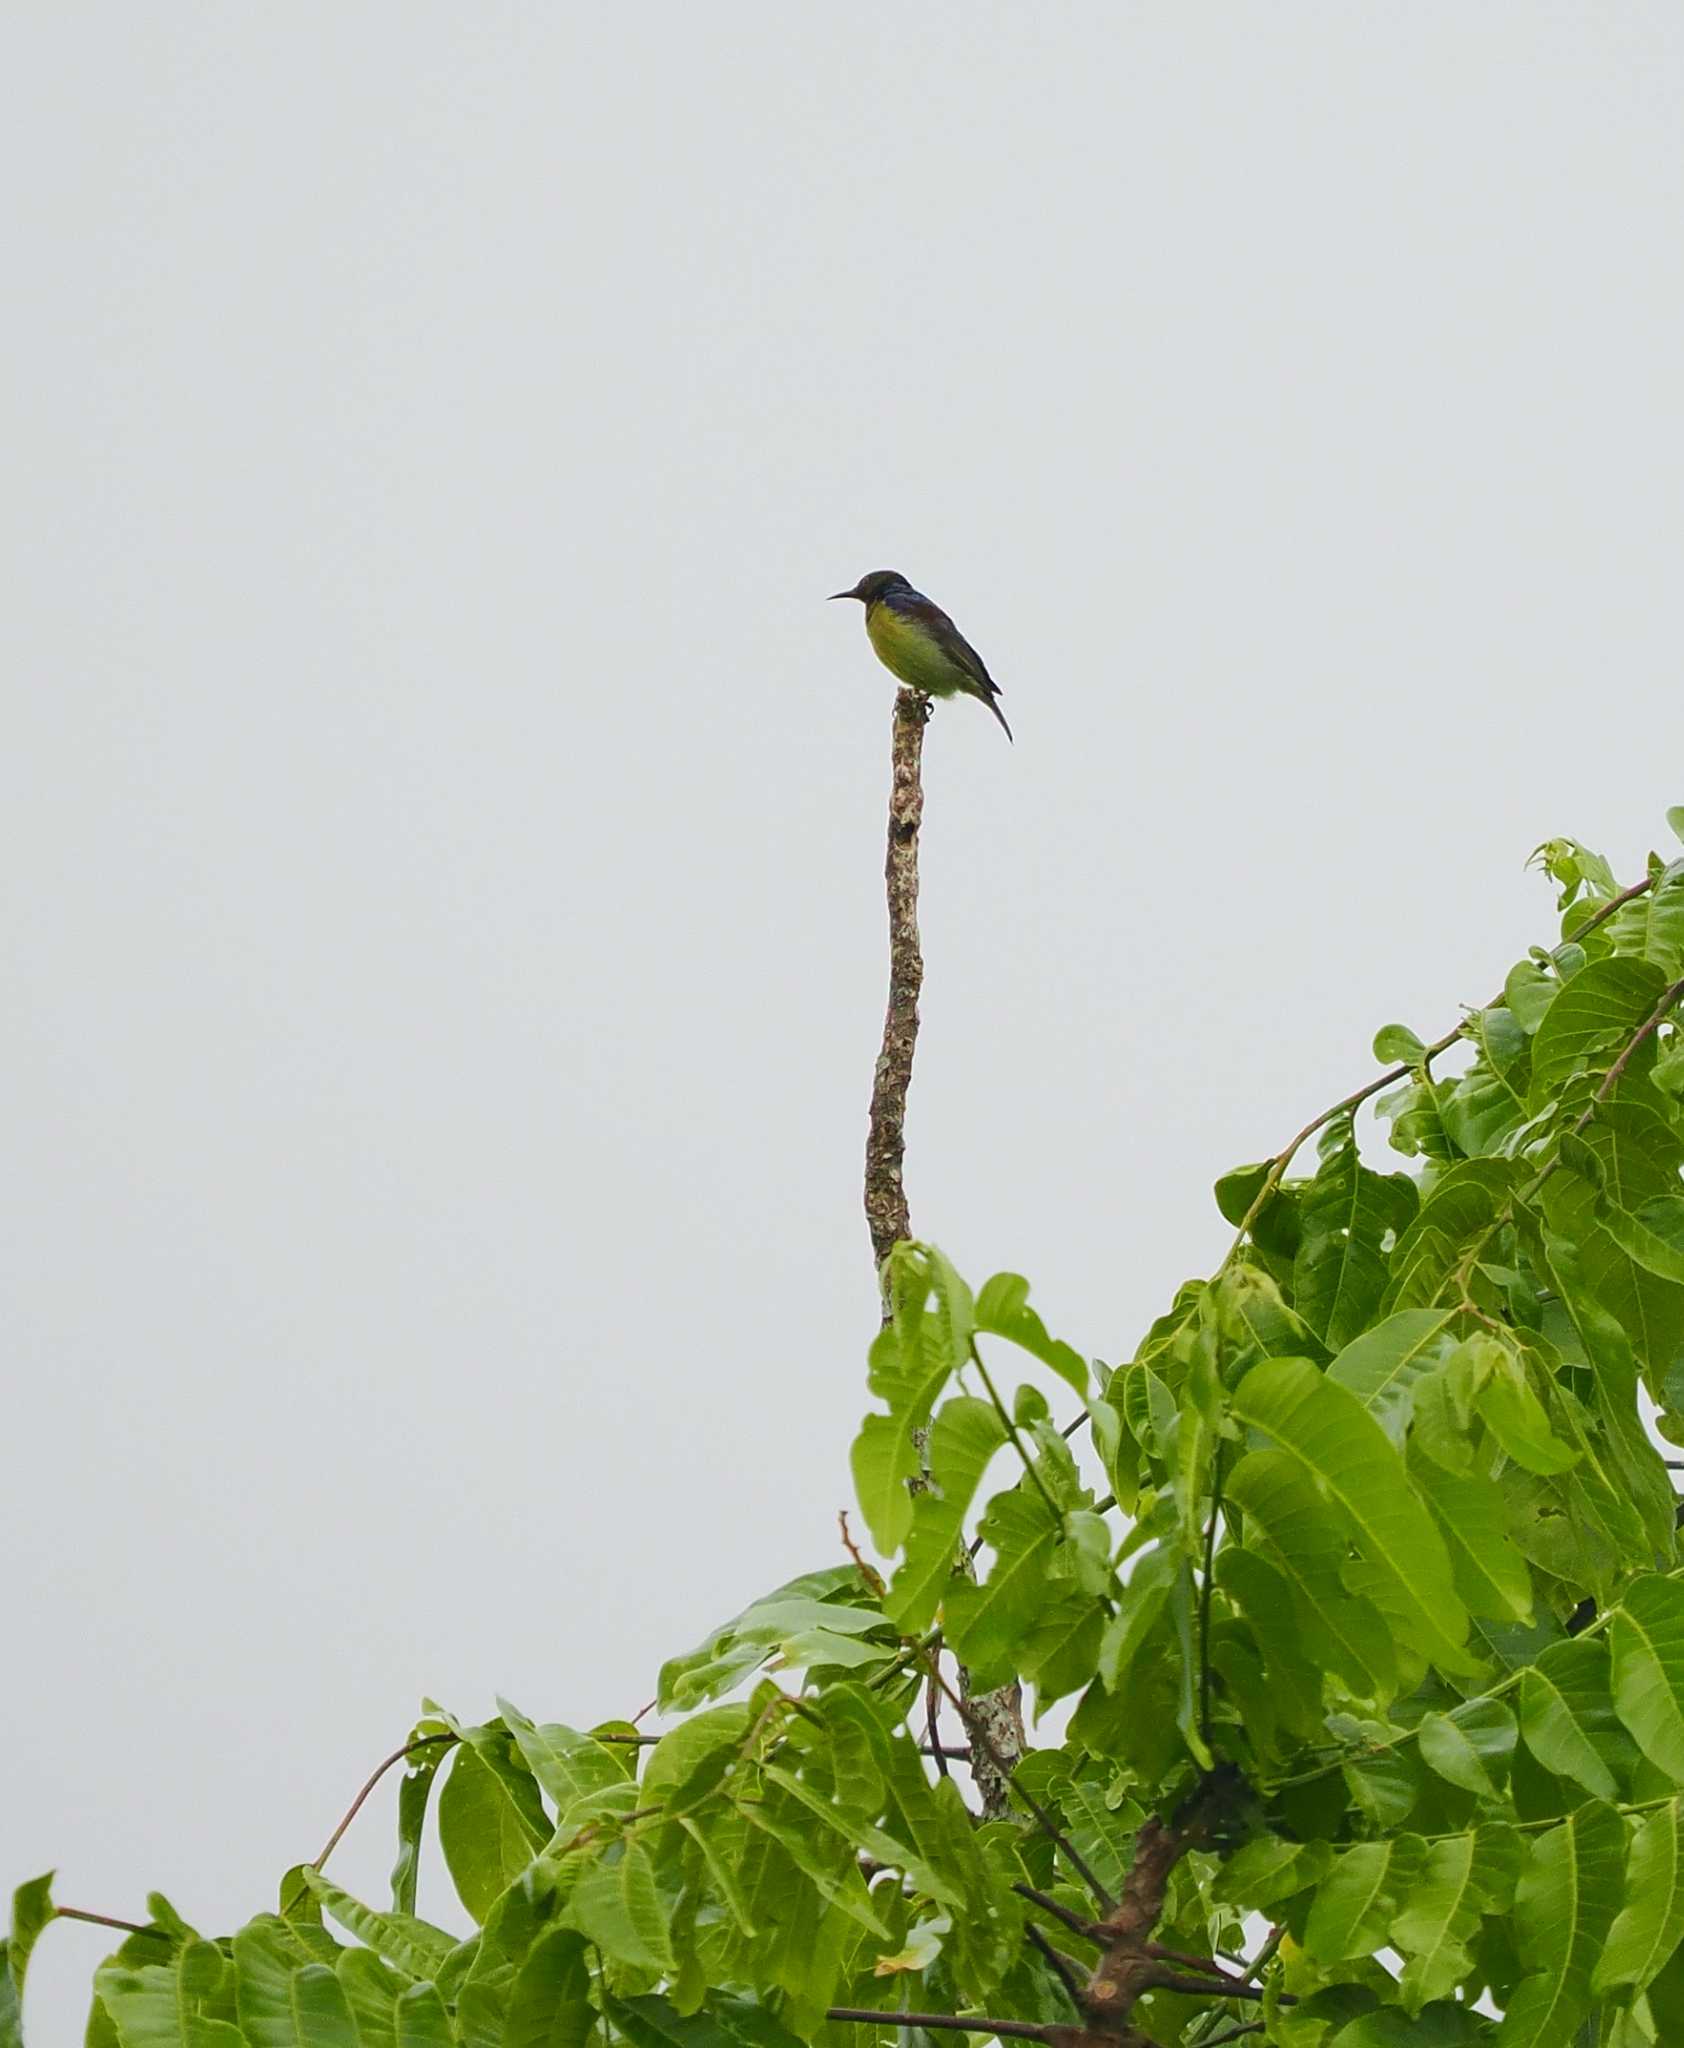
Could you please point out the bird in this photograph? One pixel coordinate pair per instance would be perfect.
(915, 640)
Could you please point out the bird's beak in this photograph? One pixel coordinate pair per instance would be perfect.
(835, 594)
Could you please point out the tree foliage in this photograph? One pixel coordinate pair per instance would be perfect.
(1357, 1586)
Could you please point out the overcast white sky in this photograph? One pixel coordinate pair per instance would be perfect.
(441, 821)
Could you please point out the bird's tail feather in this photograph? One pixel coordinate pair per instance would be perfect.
(993, 703)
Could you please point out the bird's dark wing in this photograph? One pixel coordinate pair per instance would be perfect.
(912, 604)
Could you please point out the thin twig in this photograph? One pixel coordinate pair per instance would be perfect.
(1207, 1987)
(1010, 1427)
(932, 1727)
(356, 1806)
(1089, 1930)
(1646, 1030)
(868, 1572)
(1023, 2030)
(1208, 1964)
(1264, 1956)
(1205, 1591)
(102, 1920)
(1060, 1963)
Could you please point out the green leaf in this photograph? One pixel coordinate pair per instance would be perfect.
(963, 1439)
(1565, 1905)
(486, 1830)
(617, 1904)
(1356, 1903)
(1567, 1714)
(856, 1736)
(1653, 924)
(830, 1866)
(1269, 1869)
(1382, 1365)
(568, 1766)
(1296, 1532)
(1512, 1412)
(986, 1623)
(1197, 1430)
(1262, 1595)
(414, 1791)
(1397, 1045)
(1463, 1878)
(1675, 818)
(1646, 1636)
(1277, 1228)
(685, 1768)
(1002, 1310)
(1473, 1518)
(1348, 1211)
(1141, 1608)
(1099, 1826)
(549, 2001)
(423, 2019)
(371, 1990)
(1528, 992)
(1644, 1482)
(654, 2022)
(1638, 1238)
(1650, 1924)
(1628, 1158)
(1471, 1746)
(1591, 1021)
(1464, 1202)
(884, 1460)
(806, 1607)
(1406, 1568)
(912, 1358)
(285, 2005)
(1061, 1652)
(413, 1946)
(32, 1908)
(718, 1841)
(184, 2004)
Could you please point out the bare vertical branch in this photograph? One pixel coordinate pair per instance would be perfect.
(886, 1212)
(996, 1730)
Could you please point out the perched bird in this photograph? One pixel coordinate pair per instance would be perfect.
(916, 640)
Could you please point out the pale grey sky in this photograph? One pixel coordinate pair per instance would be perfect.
(442, 821)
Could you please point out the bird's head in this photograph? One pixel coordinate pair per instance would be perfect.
(873, 586)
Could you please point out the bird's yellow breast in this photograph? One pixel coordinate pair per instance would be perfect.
(906, 650)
